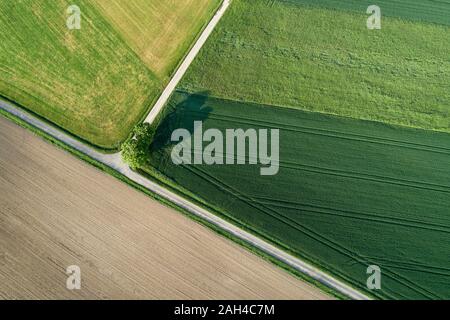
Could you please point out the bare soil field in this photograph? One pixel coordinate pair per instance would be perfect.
(57, 211)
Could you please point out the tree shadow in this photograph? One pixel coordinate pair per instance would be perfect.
(181, 113)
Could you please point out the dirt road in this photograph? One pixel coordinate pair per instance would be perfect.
(57, 211)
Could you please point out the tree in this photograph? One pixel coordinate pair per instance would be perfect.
(135, 151)
(144, 131)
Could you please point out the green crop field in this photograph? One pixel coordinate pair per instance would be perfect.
(322, 60)
(99, 81)
(348, 194)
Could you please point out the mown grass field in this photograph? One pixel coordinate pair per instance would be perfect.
(415, 10)
(286, 54)
(348, 194)
(97, 82)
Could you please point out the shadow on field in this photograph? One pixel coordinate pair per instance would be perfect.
(181, 113)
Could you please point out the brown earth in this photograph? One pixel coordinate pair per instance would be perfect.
(56, 211)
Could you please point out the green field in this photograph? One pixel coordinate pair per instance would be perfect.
(415, 10)
(349, 193)
(327, 61)
(97, 82)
